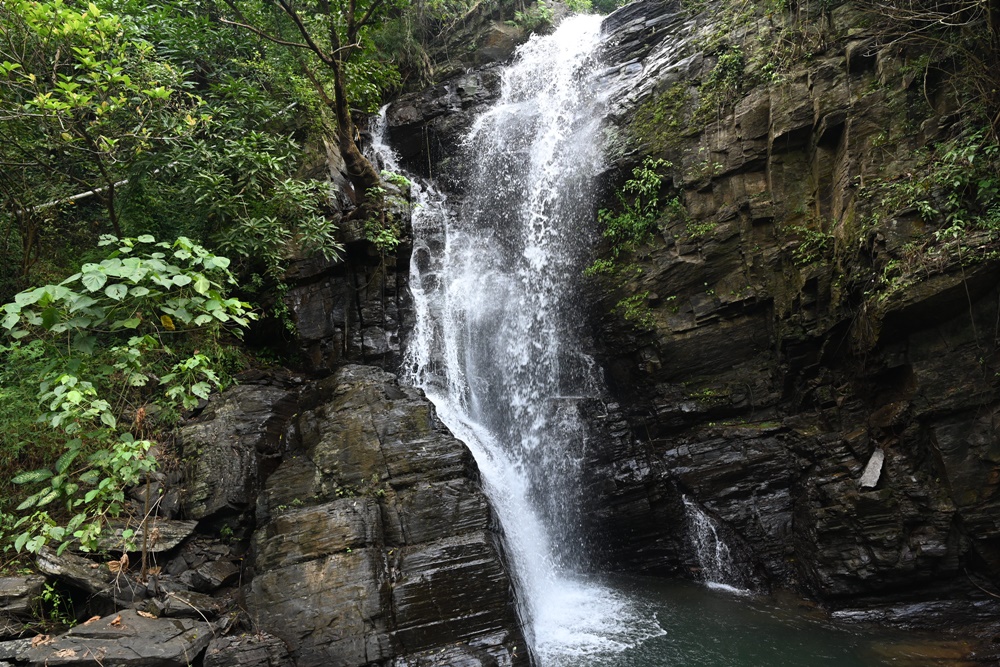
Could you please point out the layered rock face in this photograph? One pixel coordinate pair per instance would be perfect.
(375, 544)
(353, 533)
(839, 425)
(822, 390)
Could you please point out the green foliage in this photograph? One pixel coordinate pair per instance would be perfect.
(660, 121)
(607, 6)
(722, 85)
(536, 18)
(699, 229)
(813, 245)
(421, 35)
(369, 78)
(82, 87)
(103, 335)
(400, 181)
(24, 441)
(958, 188)
(380, 228)
(386, 239)
(639, 200)
(579, 6)
(139, 289)
(173, 123)
(640, 212)
(969, 47)
(56, 606)
(635, 309)
(953, 189)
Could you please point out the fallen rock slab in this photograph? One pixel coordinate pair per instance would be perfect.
(13, 649)
(95, 578)
(17, 594)
(125, 639)
(210, 576)
(257, 650)
(164, 535)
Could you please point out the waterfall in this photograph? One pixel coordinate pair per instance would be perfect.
(498, 342)
(719, 569)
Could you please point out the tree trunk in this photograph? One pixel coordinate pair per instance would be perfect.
(993, 18)
(361, 172)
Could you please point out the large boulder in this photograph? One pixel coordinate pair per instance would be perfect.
(229, 445)
(375, 540)
(124, 639)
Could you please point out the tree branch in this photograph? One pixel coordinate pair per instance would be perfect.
(297, 20)
(261, 33)
(367, 15)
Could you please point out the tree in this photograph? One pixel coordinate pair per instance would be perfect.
(335, 33)
(82, 99)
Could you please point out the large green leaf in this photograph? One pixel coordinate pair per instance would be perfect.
(29, 297)
(32, 476)
(116, 291)
(49, 317)
(94, 280)
(202, 285)
(80, 302)
(85, 343)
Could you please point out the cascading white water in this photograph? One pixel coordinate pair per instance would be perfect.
(718, 566)
(498, 340)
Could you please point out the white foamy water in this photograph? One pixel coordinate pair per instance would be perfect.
(498, 340)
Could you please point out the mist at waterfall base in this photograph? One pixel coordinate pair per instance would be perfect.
(497, 346)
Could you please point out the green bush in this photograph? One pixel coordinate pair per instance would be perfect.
(112, 351)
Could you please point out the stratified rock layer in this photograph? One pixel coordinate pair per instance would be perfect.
(839, 427)
(774, 372)
(375, 541)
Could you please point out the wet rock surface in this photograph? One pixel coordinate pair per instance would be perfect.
(847, 447)
(373, 545)
(125, 638)
(426, 128)
(17, 595)
(249, 650)
(351, 309)
(375, 541)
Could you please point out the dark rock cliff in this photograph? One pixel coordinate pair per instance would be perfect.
(375, 543)
(824, 390)
(775, 362)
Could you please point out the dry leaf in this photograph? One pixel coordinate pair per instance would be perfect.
(65, 653)
(154, 536)
(91, 620)
(114, 566)
(38, 640)
(124, 561)
(154, 570)
(145, 614)
(117, 622)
